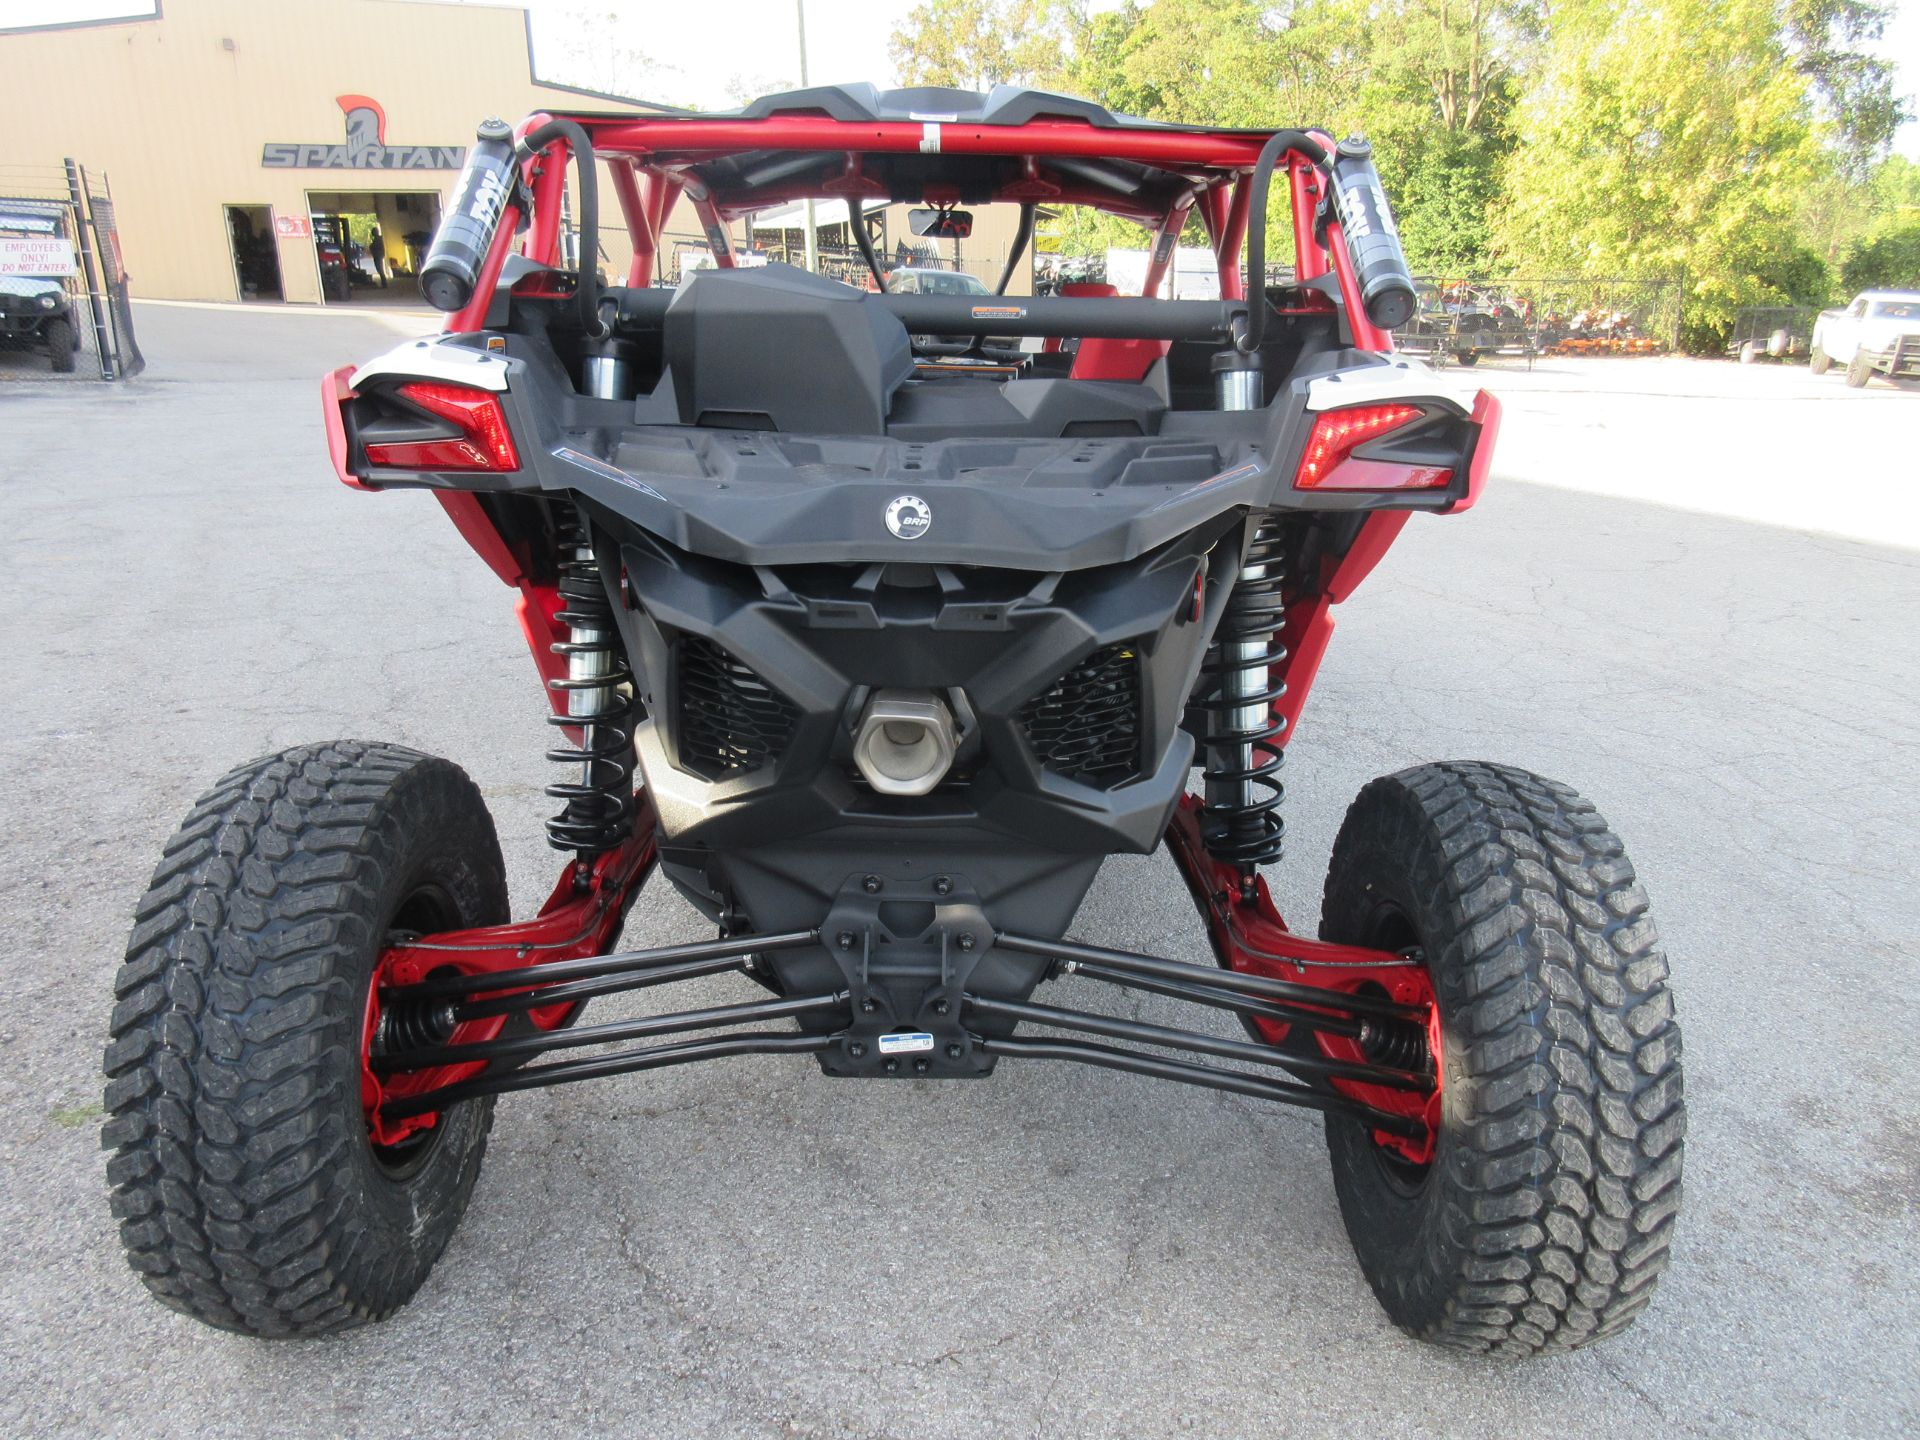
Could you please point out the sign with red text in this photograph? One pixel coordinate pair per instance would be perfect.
(36, 255)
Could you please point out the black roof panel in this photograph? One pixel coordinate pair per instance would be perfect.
(1002, 105)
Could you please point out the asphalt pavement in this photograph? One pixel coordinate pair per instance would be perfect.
(1692, 590)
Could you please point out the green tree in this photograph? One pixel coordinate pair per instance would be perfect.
(977, 44)
(1430, 81)
(1438, 105)
(1854, 86)
(1224, 62)
(1885, 253)
(1889, 260)
(1458, 57)
(1659, 140)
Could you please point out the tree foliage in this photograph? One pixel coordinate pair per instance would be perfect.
(977, 44)
(1664, 139)
(1741, 144)
(1853, 86)
(1888, 260)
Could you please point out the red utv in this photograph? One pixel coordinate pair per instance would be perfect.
(875, 663)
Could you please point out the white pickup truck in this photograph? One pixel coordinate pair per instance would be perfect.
(1879, 333)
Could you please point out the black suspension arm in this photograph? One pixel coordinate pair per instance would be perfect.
(441, 987)
(1126, 962)
(656, 1057)
(1207, 1076)
(519, 1046)
(1227, 1000)
(571, 992)
(1114, 1027)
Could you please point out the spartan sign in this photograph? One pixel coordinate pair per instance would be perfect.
(366, 146)
(366, 127)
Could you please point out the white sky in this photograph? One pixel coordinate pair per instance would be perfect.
(713, 53)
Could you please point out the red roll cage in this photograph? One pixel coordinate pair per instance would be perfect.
(654, 162)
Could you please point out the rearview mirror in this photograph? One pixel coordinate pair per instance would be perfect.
(942, 224)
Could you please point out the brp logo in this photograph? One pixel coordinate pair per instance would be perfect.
(909, 517)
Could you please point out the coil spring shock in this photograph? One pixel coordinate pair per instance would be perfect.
(414, 1026)
(598, 810)
(1397, 1043)
(1240, 823)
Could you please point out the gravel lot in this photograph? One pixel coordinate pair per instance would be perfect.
(1693, 591)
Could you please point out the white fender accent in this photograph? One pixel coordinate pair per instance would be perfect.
(1400, 379)
(433, 359)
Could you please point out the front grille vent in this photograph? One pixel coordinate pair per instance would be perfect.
(731, 721)
(1086, 725)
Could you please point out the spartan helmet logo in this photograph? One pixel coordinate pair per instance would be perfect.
(366, 126)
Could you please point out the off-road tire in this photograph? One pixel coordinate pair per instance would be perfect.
(1858, 370)
(1545, 1216)
(1818, 361)
(61, 345)
(249, 1193)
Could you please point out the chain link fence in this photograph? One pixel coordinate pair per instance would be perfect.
(64, 310)
(1464, 319)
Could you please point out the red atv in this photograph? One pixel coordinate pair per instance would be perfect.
(876, 661)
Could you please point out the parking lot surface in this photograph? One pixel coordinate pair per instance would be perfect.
(1692, 590)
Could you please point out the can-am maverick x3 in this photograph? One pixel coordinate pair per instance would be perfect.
(876, 663)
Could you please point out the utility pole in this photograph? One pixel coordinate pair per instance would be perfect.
(813, 241)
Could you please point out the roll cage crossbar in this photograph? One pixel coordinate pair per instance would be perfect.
(1118, 317)
(727, 167)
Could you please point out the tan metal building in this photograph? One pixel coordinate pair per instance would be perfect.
(256, 149)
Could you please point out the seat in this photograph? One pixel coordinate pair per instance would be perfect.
(1105, 358)
(1081, 289)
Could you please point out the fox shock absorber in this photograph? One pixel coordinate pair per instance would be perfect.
(598, 803)
(489, 180)
(1240, 822)
(1372, 239)
(488, 184)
